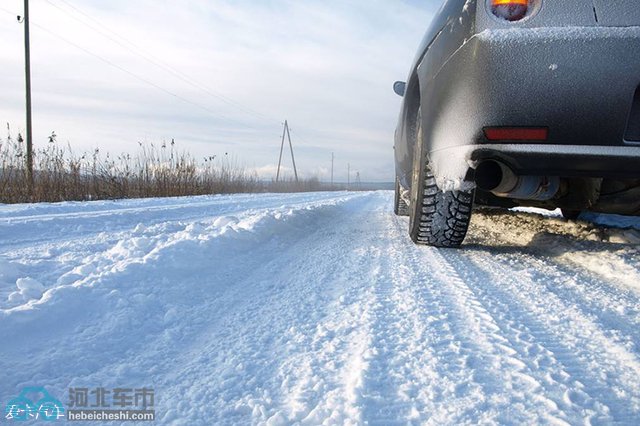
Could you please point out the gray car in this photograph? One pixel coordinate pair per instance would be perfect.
(520, 103)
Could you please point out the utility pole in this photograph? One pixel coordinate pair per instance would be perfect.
(281, 149)
(348, 176)
(285, 131)
(29, 131)
(293, 160)
(332, 158)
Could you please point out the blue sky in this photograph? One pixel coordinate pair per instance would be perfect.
(326, 66)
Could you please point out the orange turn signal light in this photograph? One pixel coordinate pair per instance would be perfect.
(508, 2)
(510, 10)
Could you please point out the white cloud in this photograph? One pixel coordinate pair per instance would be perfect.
(326, 66)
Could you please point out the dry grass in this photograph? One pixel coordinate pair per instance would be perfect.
(154, 171)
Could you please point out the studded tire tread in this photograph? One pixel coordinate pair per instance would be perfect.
(400, 207)
(445, 215)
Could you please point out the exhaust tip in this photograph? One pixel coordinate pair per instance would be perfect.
(489, 175)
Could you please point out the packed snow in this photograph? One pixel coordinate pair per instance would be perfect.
(317, 309)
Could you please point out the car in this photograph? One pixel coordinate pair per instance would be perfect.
(519, 103)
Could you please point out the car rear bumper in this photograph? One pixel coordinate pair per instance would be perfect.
(567, 161)
(560, 160)
(577, 82)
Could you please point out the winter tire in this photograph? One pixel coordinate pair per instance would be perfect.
(437, 218)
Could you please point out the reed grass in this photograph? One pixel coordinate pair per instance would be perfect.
(155, 170)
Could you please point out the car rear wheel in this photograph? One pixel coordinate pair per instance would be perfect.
(400, 207)
(437, 218)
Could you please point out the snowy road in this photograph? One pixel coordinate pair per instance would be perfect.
(317, 309)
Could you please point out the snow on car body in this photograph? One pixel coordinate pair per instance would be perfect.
(520, 102)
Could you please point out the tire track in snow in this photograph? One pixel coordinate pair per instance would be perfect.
(600, 371)
(612, 307)
(439, 355)
(324, 382)
(513, 392)
(615, 311)
(417, 371)
(615, 308)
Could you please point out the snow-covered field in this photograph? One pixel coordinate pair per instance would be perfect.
(317, 309)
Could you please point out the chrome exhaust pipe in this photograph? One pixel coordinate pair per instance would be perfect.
(499, 179)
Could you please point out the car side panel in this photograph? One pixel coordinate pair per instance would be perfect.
(453, 23)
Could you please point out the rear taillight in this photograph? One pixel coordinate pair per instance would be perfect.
(510, 10)
(516, 133)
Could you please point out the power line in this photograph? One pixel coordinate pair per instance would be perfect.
(130, 73)
(9, 12)
(328, 135)
(298, 135)
(136, 50)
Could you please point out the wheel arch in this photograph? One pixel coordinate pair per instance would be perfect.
(412, 99)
